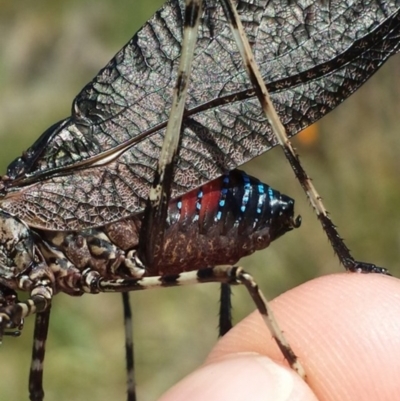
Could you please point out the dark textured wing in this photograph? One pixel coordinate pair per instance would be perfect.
(96, 166)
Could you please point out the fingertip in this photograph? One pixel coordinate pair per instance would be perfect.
(246, 376)
(343, 327)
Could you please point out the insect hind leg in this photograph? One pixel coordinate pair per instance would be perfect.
(338, 245)
(155, 215)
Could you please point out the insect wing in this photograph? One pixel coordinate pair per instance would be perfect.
(96, 166)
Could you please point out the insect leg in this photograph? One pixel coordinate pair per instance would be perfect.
(155, 215)
(94, 283)
(338, 245)
(9, 297)
(225, 310)
(152, 233)
(129, 350)
(36, 392)
(12, 315)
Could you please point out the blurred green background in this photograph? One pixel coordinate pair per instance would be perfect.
(48, 51)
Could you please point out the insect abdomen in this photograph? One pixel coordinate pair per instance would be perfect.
(223, 221)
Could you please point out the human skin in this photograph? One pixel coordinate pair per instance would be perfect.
(345, 328)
